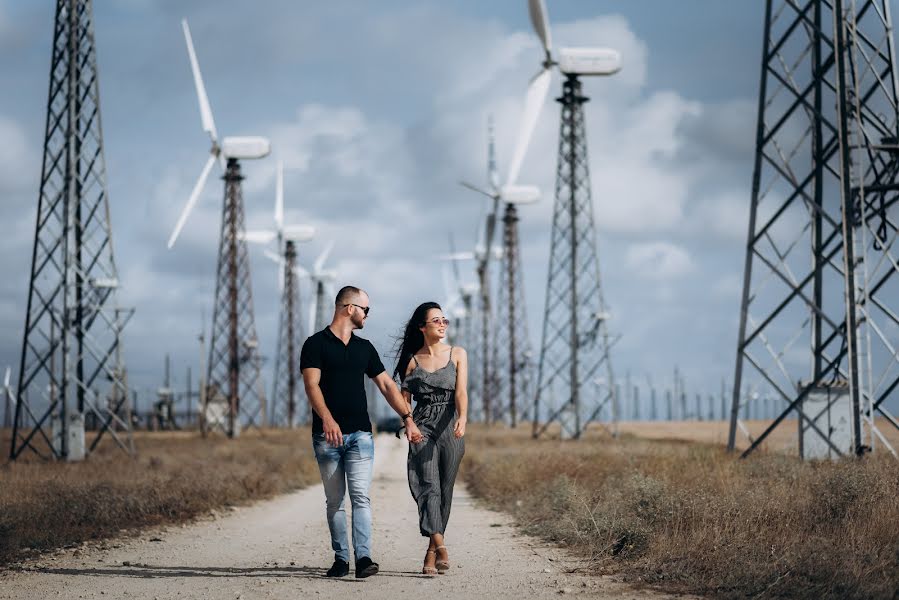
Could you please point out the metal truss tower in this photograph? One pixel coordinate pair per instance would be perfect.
(234, 376)
(513, 359)
(575, 380)
(477, 404)
(287, 410)
(818, 320)
(71, 372)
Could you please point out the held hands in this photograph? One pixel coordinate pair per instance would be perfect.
(332, 432)
(459, 427)
(412, 433)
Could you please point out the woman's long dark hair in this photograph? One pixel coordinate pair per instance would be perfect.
(412, 338)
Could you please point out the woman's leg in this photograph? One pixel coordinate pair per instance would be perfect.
(450, 458)
(424, 483)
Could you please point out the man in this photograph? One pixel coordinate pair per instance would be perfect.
(333, 362)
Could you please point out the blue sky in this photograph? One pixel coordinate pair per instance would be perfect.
(378, 108)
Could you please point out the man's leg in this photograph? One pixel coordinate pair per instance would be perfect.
(331, 466)
(358, 462)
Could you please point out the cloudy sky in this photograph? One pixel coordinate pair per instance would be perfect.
(378, 109)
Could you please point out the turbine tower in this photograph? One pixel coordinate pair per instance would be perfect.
(285, 388)
(319, 313)
(819, 307)
(575, 362)
(514, 359)
(469, 330)
(508, 194)
(459, 304)
(234, 393)
(71, 349)
(504, 383)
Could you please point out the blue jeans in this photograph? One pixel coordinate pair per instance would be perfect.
(342, 467)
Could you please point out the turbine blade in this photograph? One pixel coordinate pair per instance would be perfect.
(540, 21)
(475, 188)
(320, 261)
(6, 378)
(492, 173)
(194, 195)
(205, 110)
(271, 255)
(279, 197)
(533, 104)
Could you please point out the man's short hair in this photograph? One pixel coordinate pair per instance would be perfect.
(347, 294)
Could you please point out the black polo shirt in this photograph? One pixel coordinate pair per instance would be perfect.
(342, 368)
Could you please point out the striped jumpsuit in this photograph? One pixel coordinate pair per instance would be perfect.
(434, 462)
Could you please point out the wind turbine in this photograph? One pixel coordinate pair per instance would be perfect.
(320, 278)
(574, 298)
(509, 194)
(234, 363)
(573, 63)
(282, 234)
(290, 331)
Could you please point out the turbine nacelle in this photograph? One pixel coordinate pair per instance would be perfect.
(298, 233)
(246, 147)
(519, 194)
(589, 61)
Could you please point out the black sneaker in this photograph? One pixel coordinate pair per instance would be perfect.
(365, 567)
(340, 568)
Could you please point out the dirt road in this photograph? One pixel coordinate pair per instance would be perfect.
(279, 549)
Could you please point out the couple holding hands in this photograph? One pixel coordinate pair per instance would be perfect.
(434, 374)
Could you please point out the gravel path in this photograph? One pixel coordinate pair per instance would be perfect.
(280, 549)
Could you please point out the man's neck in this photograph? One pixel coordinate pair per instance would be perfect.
(343, 329)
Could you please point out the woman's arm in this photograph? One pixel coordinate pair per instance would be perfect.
(461, 358)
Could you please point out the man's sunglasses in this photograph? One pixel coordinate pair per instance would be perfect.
(365, 309)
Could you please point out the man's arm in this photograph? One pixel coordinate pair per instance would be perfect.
(398, 403)
(311, 381)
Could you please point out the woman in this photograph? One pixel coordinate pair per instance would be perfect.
(435, 375)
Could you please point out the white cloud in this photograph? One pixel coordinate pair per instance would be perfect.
(373, 164)
(16, 156)
(658, 261)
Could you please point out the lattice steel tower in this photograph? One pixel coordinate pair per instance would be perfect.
(287, 407)
(71, 370)
(818, 320)
(485, 356)
(513, 358)
(235, 366)
(575, 380)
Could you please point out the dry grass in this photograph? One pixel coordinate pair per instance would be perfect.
(784, 437)
(177, 476)
(689, 517)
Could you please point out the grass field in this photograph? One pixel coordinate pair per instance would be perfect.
(175, 477)
(669, 512)
(687, 516)
(783, 438)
